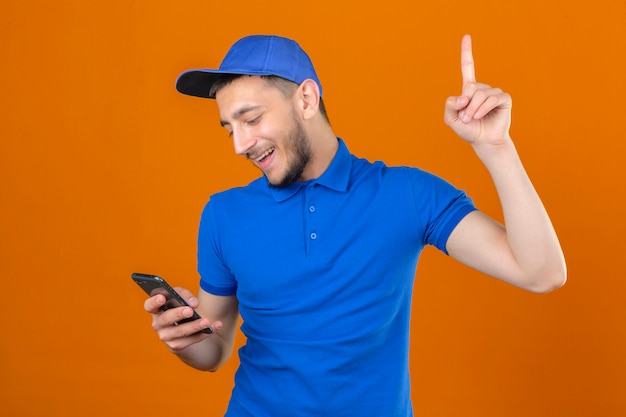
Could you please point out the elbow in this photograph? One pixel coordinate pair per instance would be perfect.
(209, 363)
(548, 282)
(208, 367)
(213, 367)
(218, 365)
(546, 287)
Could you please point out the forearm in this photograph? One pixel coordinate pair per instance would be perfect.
(531, 237)
(207, 355)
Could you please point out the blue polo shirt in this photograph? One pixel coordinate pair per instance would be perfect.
(323, 271)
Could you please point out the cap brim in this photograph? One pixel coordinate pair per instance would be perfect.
(197, 82)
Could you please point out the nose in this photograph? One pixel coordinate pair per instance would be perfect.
(242, 141)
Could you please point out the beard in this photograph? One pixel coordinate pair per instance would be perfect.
(300, 150)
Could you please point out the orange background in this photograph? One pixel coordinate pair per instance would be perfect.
(104, 170)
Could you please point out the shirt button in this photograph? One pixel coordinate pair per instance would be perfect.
(313, 236)
(312, 209)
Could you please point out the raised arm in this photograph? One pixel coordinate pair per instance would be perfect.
(525, 251)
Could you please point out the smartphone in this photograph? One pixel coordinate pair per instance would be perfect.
(154, 285)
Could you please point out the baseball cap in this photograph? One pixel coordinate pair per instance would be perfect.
(253, 55)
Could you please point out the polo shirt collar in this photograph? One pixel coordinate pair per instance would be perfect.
(336, 177)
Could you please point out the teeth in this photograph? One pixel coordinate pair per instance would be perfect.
(264, 154)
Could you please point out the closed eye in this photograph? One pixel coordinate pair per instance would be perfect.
(254, 120)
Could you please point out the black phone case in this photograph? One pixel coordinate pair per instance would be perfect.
(154, 285)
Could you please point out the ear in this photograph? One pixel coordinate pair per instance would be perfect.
(309, 98)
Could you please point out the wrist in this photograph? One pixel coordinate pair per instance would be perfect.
(498, 151)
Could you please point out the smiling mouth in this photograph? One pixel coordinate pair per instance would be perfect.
(264, 155)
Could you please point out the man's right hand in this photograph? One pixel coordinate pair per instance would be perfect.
(178, 337)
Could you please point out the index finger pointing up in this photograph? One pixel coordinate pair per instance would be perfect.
(467, 61)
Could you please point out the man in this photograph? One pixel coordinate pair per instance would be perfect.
(318, 255)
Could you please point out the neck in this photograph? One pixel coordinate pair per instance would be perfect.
(324, 145)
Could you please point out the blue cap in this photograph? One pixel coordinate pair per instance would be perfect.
(253, 55)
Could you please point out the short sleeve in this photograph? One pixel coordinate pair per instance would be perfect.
(215, 277)
(440, 205)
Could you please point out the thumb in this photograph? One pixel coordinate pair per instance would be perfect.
(454, 105)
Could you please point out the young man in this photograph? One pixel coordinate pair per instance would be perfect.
(318, 255)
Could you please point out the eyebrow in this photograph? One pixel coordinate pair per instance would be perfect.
(239, 113)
